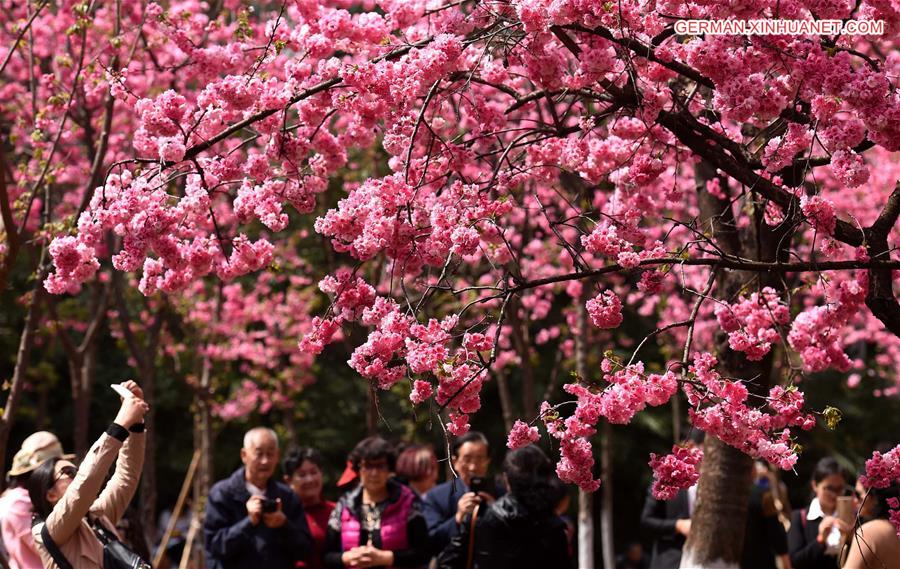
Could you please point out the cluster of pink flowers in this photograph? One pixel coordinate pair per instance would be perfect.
(676, 471)
(816, 333)
(458, 173)
(882, 471)
(522, 435)
(780, 151)
(751, 322)
(605, 310)
(746, 428)
(75, 263)
(820, 213)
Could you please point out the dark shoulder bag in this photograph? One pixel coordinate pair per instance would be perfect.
(115, 554)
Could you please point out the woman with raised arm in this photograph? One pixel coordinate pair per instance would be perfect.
(68, 500)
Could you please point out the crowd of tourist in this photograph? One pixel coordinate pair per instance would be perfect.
(842, 525)
(393, 513)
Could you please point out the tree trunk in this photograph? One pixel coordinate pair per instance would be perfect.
(23, 359)
(506, 400)
(522, 342)
(719, 518)
(82, 386)
(203, 440)
(606, 505)
(585, 499)
(290, 426)
(148, 479)
(585, 530)
(371, 411)
(722, 495)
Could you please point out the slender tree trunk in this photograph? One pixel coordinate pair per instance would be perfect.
(585, 499)
(606, 505)
(82, 406)
(676, 419)
(148, 479)
(371, 411)
(144, 351)
(202, 441)
(521, 340)
(506, 400)
(290, 425)
(23, 360)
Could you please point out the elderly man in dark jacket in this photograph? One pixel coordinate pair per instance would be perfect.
(253, 521)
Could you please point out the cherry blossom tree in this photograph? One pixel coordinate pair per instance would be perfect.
(497, 161)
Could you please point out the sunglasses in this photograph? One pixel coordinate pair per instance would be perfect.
(67, 472)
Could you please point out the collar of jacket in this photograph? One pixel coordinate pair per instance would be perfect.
(353, 498)
(237, 486)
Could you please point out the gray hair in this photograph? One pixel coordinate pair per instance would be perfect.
(252, 433)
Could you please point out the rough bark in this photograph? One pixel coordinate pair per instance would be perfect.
(718, 522)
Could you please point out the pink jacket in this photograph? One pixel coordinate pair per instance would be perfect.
(15, 526)
(67, 522)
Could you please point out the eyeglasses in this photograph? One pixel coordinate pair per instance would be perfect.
(67, 472)
(841, 490)
(381, 465)
(476, 459)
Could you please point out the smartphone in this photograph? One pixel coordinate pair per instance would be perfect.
(478, 484)
(123, 393)
(845, 509)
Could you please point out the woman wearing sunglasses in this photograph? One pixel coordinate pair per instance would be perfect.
(67, 498)
(379, 523)
(815, 536)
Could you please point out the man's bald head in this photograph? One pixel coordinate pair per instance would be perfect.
(259, 455)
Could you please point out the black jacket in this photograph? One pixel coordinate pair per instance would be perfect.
(439, 508)
(765, 537)
(658, 519)
(507, 536)
(232, 542)
(806, 552)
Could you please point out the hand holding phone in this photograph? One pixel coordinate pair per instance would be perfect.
(478, 484)
(122, 391)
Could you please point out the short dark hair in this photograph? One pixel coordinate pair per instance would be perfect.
(416, 462)
(529, 474)
(297, 457)
(373, 448)
(39, 483)
(828, 466)
(881, 508)
(470, 437)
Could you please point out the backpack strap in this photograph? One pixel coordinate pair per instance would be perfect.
(470, 558)
(53, 549)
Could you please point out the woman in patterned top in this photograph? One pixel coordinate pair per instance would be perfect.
(379, 523)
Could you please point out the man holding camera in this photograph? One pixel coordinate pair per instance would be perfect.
(447, 504)
(252, 520)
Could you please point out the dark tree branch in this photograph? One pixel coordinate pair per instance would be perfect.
(880, 297)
